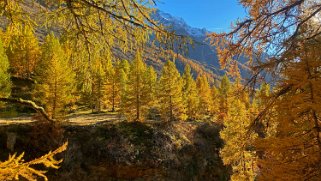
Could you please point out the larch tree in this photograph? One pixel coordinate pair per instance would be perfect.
(261, 100)
(224, 93)
(191, 96)
(135, 104)
(215, 109)
(5, 83)
(204, 92)
(110, 87)
(289, 32)
(170, 92)
(23, 53)
(293, 150)
(124, 65)
(123, 68)
(55, 78)
(150, 81)
(118, 80)
(23, 50)
(238, 150)
(123, 88)
(99, 78)
(263, 93)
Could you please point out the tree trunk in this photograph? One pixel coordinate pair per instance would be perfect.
(54, 106)
(171, 118)
(113, 96)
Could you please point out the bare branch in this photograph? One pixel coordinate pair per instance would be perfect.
(30, 104)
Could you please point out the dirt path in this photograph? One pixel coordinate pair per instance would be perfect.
(80, 120)
(16, 120)
(90, 119)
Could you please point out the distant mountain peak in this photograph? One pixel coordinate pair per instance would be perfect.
(179, 25)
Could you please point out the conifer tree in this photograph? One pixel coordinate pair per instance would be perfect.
(150, 81)
(190, 91)
(23, 51)
(121, 80)
(238, 148)
(215, 109)
(150, 92)
(55, 78)
(224, 91)
(110, 88)
(115, 85)
(171, 93)
(263, 94)
(135, 104)
(259, 103)
(293, 149)
(5, 83)
(98, 76)
(123, 88)
(204, 91)
(125, 66)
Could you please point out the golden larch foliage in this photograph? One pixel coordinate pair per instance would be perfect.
(15, 167)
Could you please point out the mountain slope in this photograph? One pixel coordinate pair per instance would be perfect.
(201, 51)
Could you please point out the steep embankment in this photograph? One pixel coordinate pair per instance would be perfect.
(125, 151)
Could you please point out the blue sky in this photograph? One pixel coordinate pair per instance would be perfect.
(214, 15)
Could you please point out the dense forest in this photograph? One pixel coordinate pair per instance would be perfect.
(163, 116)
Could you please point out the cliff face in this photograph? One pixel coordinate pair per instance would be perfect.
(128, 151)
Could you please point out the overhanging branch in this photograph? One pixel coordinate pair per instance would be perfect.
(28, 103)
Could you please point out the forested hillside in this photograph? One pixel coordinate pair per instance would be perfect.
(120, 90)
